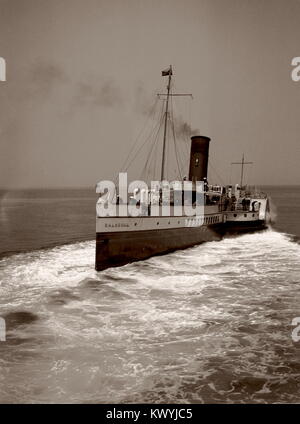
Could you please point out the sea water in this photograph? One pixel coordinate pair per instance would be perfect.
(208, 324)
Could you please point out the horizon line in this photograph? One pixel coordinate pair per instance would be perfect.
(94, 187)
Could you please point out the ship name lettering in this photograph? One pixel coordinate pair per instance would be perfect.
(117, 225)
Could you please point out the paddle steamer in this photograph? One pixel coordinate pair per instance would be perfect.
(123, 237)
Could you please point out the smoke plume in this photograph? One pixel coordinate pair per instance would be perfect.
(184, 129)
(106, 94)
(44, 76)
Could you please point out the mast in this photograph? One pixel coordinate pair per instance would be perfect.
(168, 72)
(242, 168)
(164, 73)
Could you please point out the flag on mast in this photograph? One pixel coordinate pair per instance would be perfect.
(167, 72)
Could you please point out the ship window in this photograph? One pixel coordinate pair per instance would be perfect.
(234, 214)
(169, 222)
(178, 222)
(135, 223)
(157, 223)
(245, 215)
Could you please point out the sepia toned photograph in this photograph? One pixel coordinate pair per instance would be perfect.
(149, 204)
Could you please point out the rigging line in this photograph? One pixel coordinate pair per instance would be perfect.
(185, 158)
(158, 166)
(170, 149)
(158, 151)
(141, 147)
(250, 173)
(179, 166)
(140, 133)
(146, 141)
(139, 150)
(155, 137)
(215, 171)
(187, 141)
(174, 139)
(190, 116)
(155, 150)
(230, 167)
(155, 161)
(183, 150)
(152, 165)
(145, 170)
(185, 164)
(148, 159)
(185, 136)
(148, 163)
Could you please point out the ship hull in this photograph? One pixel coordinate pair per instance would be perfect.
(117, 248)
(120, 248)
(236, 228)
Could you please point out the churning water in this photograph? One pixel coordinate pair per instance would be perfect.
(207, 324)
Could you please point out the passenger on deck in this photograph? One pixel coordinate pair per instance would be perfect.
(244, 203)
(233, 205)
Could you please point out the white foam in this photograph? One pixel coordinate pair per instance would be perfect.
(156, 323)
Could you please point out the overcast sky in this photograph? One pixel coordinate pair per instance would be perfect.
(79, 73)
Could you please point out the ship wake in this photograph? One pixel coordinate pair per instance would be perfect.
(206, 324)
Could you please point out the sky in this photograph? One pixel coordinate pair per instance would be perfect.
(81, 74)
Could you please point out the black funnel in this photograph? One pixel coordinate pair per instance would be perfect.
(199, 158)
